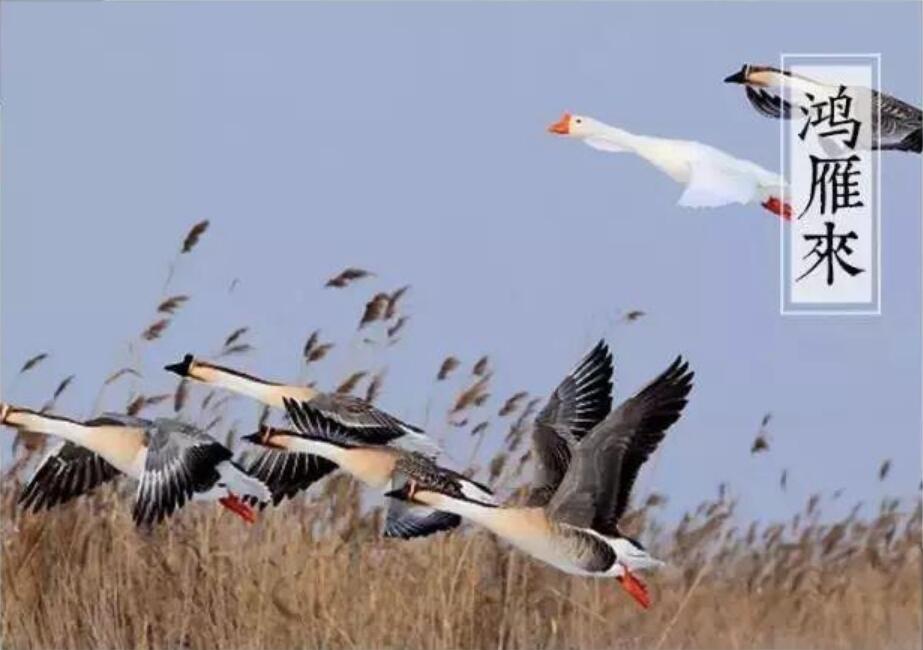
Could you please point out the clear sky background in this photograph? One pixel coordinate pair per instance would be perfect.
(409, 139)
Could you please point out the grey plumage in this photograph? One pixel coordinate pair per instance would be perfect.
(68, 471)
(404, 521)
(407, 521)
(901, 123)
(286, 473)
(359, 420)
(595, 490)
(181, 461)
(577, 405)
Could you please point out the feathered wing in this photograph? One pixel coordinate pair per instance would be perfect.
(68, 471)
(181, 462)
(712, 184)
(769, 103)
(594, 493)
(407, 520)
(362, 422)
(579, 403)
(901, 124)
(286, 473)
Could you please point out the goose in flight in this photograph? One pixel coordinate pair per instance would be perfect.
(576, 529)
(712, 177)
(287, 475)
(772, 92)
(173, 462)
(368, 457)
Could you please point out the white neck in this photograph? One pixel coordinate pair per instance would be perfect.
(484, 515)
(52, 425)
(263, 391)
(802, 84)
(622, 137)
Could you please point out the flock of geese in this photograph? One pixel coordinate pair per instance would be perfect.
(588, 454)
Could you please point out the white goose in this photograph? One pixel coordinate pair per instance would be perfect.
(901, 123)
(576, 530)
(712, 177)
(173, 462)
(333, 431)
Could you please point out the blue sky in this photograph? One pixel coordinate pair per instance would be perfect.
(409, 139)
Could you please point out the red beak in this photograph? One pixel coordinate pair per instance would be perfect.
(562, 126)
(238, 507)
(635, 588)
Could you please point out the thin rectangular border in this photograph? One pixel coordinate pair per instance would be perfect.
(782, 132)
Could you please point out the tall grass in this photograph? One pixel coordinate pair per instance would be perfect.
(315, 573)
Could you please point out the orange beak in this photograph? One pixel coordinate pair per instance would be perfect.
(635, 588)
(562, 126)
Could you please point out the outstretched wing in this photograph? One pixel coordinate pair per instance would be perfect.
(712, 184)
(181, 461)
(594, 492)
(286, 473)
(578, 404)
(68, 471)
(361, 421)
(769, 103)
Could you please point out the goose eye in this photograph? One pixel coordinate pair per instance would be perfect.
(578, 121)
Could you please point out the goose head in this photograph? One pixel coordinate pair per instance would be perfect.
(754, 75)
(185, 368)
(576, 126)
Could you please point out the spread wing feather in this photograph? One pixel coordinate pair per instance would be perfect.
(594, 493)
(578, 404)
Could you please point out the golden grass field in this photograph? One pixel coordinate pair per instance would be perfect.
(315, 573)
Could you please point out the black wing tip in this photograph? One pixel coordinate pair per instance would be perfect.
(287, 473)
(679, 373)
(595, 369)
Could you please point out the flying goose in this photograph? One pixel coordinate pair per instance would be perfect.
(368, 458)
(901, 123)
(173, 462)
(576, 530)
(712, 177)
(287, 474)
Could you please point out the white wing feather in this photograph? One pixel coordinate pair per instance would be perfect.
(712, 185)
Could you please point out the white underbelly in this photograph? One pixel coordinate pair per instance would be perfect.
(548, 551)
